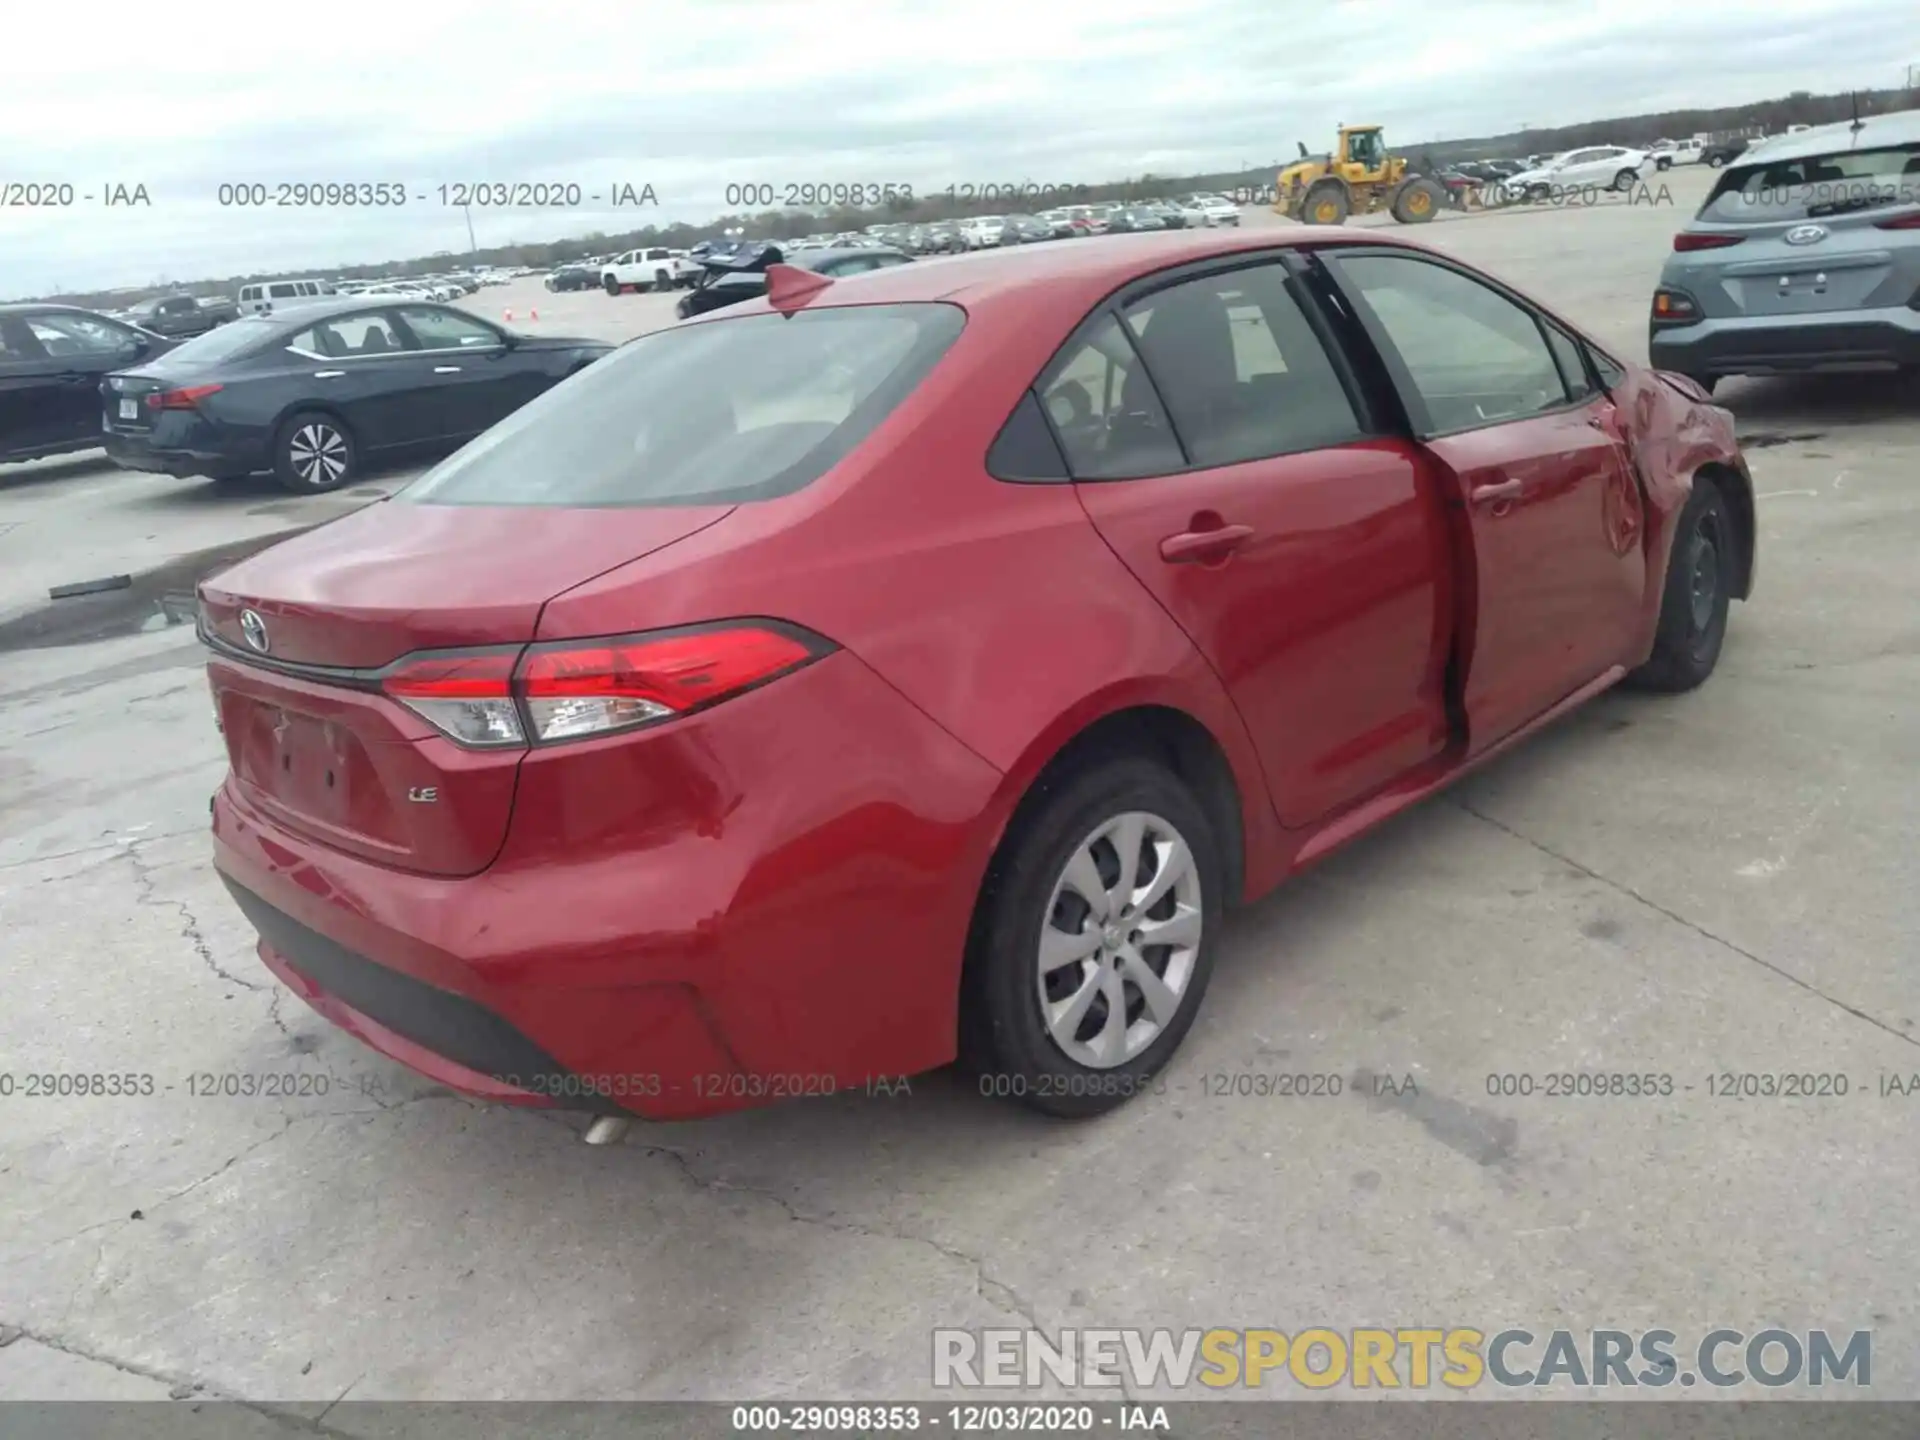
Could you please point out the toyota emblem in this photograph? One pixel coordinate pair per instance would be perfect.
(1805, 235)
(254, 629)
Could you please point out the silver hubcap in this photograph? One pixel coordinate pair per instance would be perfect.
(318, 454)
(1120, 940)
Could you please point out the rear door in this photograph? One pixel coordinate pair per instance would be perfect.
(1547, 510)
(28, 379)
(1222, 450)
(82, 349)
(370, 370)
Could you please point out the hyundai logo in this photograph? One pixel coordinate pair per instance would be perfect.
(254, 629)
(1805, 235)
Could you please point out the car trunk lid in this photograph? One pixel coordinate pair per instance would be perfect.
(314, 742)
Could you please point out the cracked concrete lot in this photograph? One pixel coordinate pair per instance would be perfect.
(1719, 883)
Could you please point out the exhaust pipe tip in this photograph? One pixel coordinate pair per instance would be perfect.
(608, 1130)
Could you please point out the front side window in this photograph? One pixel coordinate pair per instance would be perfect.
(446, 329)
(1567, 353)
(710, 414)
(1472, 356)
(1241, 369)
(1103, 406)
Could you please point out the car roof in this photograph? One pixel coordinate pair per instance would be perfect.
(40, 307)
(1071, 277)
(1875, 132)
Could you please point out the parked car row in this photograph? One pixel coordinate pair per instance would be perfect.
(309, 390)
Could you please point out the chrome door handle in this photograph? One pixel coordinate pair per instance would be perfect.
(446, 369)
(1505, 490)
(327, 374)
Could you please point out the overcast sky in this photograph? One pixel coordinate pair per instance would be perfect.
(689, 97)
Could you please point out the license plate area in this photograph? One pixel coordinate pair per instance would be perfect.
(305, 765)
(129, 408)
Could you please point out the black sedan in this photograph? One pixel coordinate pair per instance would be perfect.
(574, 277)
(317, 391)
(744, 277)
(51, 360)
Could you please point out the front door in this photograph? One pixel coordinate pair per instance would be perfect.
(1301, 548)
(476, 379)
(1548, 512)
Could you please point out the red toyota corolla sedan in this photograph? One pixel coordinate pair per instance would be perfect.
(919, 665)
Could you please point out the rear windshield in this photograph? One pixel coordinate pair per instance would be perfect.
(1815, 187)
(738, 409)
(223, 341)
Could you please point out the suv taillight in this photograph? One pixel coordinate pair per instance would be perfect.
(574, 689)
(1698, 240)
(1900, 222)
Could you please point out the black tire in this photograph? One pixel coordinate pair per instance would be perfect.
(1626, 180)
(662, 282)
(1693, 624)
(1665, 162)
(613, 285)
(1716, 161)
(1408, 207)
(1004, 1037)
(1325, 202)
(315, 452)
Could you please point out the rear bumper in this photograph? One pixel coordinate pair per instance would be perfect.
(1771, 345)
(194, 449)
(786, 919)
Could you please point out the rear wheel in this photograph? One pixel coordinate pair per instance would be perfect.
(1325, 203)
(1716, 161)
(1693, 604)
(1094, 939)
(315, 453)
(1416, 201)
(1626, 180)
(662, 282)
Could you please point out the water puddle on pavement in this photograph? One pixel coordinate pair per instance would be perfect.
(158, 599)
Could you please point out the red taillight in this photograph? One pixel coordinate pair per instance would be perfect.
(1694, 240)
(1900, 222)
(465, 694)
(578, 688)
(179, 399)
(572, 689)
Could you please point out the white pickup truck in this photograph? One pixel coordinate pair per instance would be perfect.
(653, 267)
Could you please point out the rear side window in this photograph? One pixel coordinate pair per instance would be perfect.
(1105, 410)
(730, 410)
(223, 341)
(1241, 369)
(1816, 187)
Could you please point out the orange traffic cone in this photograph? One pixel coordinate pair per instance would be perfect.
(509, 312)
(533, 314)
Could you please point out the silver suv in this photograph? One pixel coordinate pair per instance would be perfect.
(1805, 256)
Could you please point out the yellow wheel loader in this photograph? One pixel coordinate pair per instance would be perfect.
(1358, 178)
